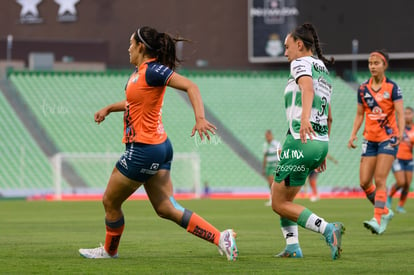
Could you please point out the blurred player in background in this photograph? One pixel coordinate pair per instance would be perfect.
(271, 149)
(148, 156)
(307, 100)
(403, 164)
(313, 178)
(379, 99)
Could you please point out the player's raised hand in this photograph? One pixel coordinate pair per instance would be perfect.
(100, 115)
(203, 127)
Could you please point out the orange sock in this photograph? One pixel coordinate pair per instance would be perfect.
(403, 197)
(394, 189)
(113, 235)
(380, 208)
(370, 193)
(201, 228)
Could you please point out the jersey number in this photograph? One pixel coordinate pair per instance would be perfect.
(323, 106)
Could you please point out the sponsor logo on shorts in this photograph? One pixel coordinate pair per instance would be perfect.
(290, 154)
(152, 170)
(290, 168)
(389, 147)
(123, 163)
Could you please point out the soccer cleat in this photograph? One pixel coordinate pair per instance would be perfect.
(389, 202)
(373, 226)
(314, 198)
(227, 244)
(400, 210)
(96, 253)
(291, 251)
(333, 236)
(385, 219)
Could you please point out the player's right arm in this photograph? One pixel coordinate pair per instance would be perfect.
(359, 118)
(115, 107)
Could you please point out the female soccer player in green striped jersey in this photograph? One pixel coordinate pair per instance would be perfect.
(307, 100)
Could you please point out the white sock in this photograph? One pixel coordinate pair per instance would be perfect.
(291, 234)
(316, 224)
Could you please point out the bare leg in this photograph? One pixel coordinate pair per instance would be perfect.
(160, 192)
(366, 174)
(282, 201)
(406, 188)
(119, 188)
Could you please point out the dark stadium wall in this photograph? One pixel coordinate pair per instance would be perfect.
(218, 29)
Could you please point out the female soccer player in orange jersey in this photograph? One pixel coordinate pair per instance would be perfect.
(379, 99)
(148, 155)
(403, 165)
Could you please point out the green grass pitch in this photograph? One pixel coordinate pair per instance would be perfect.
(44, 237)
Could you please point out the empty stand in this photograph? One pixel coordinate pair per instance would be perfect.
(245, 104)
(23, 168)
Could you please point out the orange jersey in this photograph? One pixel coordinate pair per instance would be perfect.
(405, 149)
(144, 99)
(380, 121)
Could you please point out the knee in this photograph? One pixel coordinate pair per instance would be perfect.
(109, 204)
(165, 211)
(364, 184)
(406, 185)
(277, 207)
(380, 181)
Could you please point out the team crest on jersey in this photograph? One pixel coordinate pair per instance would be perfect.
(377, 110)
(386, 95)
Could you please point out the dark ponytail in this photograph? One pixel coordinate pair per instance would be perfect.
(310, 38)
(159, 45)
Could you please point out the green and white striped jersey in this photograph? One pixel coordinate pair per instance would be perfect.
(322, 86)
(270, 150)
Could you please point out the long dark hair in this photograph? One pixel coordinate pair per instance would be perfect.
(307, 33)
(159, 45)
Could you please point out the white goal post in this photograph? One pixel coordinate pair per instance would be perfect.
(95, 168)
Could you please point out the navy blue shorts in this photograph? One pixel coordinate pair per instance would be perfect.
(141, 161)
(402, 165)
(372, 149)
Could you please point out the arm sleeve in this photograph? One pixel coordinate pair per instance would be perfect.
(359, 99)
(299, 68)
(158, 75)
(396, 93)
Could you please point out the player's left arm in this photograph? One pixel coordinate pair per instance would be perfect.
(306, 86)
(399, 109)
(202, 126)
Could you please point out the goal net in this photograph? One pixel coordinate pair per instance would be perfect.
(88, 173)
